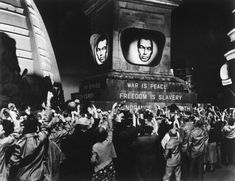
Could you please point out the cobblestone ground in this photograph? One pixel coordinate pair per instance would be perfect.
(226, 173)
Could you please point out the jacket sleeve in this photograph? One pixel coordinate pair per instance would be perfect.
(43, 135)
(190, 140)
(168, 150)
(16, 156)
(7, 141)
(94, 156)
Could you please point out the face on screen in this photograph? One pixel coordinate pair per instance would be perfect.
(141, 46)
(102, 50)
(145, 49)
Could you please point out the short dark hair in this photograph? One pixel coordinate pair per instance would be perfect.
(30, 124)
(172, 133)
(199, 123)
(146, 130)
(148, 115)
(231, 122)
(128, 117)
(145, 38)
(101, 134)
(102, 37)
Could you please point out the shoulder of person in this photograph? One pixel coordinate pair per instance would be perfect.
(96, 146)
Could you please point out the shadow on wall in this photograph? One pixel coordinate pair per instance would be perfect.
(21, 89)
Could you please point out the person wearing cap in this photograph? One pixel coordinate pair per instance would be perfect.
(172, 155)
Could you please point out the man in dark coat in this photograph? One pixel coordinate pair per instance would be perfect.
(124, 135)
(146, 151)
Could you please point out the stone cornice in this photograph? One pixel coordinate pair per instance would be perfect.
(92, 6)
(169, 3)
(137, 76)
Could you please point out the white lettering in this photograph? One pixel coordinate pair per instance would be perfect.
(132, 85)
(144, 86)
(170, 97)
(133, 107)
(158, 86)
(133, 96)
(185, 108)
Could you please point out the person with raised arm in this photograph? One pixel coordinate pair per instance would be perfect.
(28, 157)
(8, 136)
(103, 152)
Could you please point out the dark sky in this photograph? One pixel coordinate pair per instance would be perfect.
(199, 39)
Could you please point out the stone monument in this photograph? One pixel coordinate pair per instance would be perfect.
(131, 50)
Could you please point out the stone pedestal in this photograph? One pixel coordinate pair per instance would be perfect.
(123, 77)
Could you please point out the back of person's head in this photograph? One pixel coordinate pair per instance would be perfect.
(127, 117)
(173, 108)
(188, 113)
(231, 121)
(146, 130)
(199, 123)
(71, 105)
(30, 124)
(148, 115)
(101, 134)
(85, 106)
(172, 133)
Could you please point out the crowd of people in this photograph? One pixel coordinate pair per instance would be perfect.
(83, 142)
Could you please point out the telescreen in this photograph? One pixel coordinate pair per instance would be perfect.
(100, 48)
(142, 47)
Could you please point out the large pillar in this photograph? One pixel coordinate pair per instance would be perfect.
(136, 64)
(21, 21)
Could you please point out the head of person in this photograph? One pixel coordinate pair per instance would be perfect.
(126, 117)
(145, 48)
(231, 121)
(28, 110)
(30, 124)
(199, 123)
(101, 134)
(101, 48)
(173, 133)
(146, 130)
(11, 106)
(148, 115)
